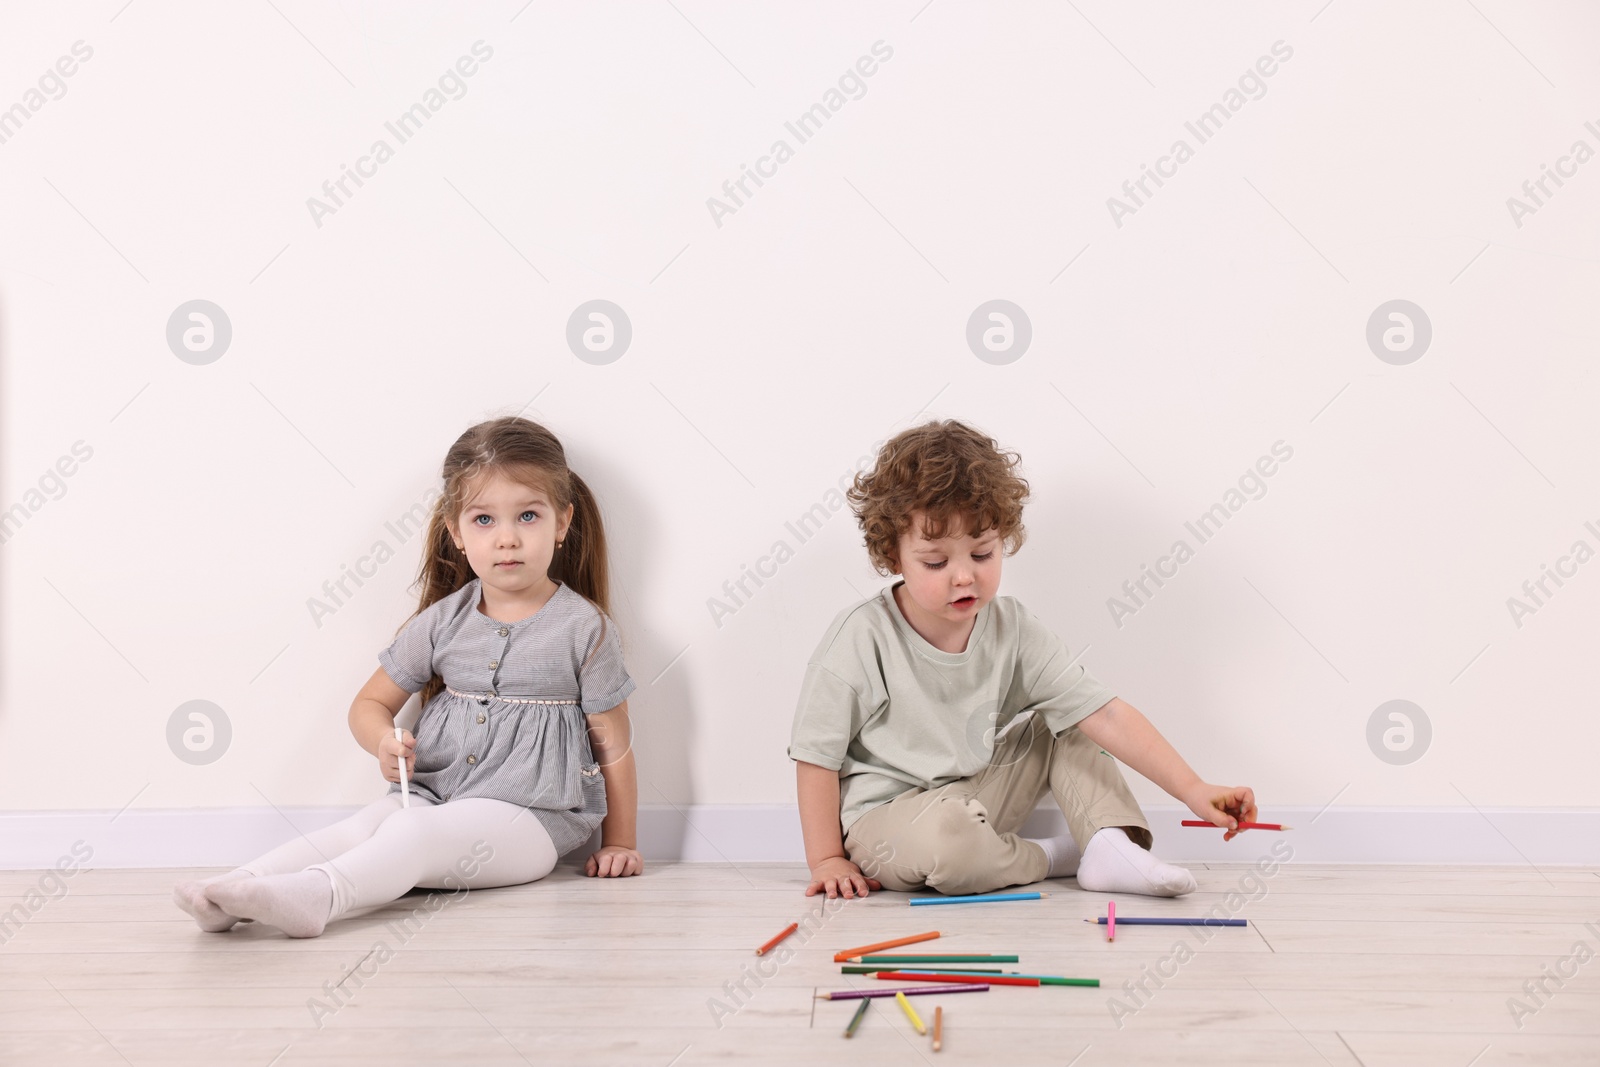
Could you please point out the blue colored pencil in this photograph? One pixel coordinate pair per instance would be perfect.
(1123, 920)
(979, 898)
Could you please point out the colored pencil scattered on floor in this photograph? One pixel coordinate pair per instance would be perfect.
(936, 958)
(873, 968)
(938, 1028)
(911, 1013)
(1240, 826)
(855, 1020)
(939, 968)
(1126, 921)
(1111, 920)
(787, 930)
(978, 898)
(1056, 979)
(946, 976)
(1044, 979)
(910, 991)
(867, 950)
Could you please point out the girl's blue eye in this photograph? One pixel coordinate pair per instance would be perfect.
(476, 518)
(528, 516)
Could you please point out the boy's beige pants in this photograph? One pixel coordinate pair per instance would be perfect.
(962, 837)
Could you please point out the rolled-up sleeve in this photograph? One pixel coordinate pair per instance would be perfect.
(829, 715)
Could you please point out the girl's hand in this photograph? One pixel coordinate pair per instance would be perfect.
(1222, 805)
(838, 876)
(614, 861)
(389, 750)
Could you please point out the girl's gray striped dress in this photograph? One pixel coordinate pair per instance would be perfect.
(510, 723)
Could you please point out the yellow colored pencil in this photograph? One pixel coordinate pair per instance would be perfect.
(911, 1013)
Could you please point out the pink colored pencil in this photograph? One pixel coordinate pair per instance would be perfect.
(1111, 920)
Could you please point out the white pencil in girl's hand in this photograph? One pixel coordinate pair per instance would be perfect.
(405, 787)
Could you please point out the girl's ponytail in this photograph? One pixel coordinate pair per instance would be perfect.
(580, 562)
(443, 570)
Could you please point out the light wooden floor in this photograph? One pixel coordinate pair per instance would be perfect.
(1341, 965)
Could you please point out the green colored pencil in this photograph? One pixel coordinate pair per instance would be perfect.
(859, 968)
(1051, 979)
(855, 1020)
(912, 961)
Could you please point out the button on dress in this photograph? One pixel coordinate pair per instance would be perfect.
(479, 737)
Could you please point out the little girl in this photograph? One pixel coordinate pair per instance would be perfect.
(520, 671)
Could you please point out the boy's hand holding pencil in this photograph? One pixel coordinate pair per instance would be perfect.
(1222, 805)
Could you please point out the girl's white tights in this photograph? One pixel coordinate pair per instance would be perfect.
(375, 856)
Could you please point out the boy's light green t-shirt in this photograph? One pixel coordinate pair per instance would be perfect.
(890, 712)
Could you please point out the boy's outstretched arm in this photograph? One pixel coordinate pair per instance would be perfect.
(1120, 729)
(831, 870)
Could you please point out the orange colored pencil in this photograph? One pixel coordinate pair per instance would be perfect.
(934, 976)
(938, 1028)
(787, 930)
(866, 950)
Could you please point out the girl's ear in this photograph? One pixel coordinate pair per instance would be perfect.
(565, 524)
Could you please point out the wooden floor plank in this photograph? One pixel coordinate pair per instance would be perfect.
(1366, 966)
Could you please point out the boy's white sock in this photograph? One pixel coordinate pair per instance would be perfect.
(1114, 864)
(297, 904)
(1062, 852)
(191, 897)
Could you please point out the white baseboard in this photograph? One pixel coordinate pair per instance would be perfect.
(720, 833)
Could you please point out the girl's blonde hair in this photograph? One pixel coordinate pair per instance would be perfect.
(530, 454)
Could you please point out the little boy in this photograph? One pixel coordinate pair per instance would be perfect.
(934, 715)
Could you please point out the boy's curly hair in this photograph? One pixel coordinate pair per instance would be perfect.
(959, 478)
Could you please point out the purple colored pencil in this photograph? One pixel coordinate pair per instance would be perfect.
(910, 991)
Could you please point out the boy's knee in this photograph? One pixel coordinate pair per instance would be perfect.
(947, 824)
(906, 855)
(954, 816)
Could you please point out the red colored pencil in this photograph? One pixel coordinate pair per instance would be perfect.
(787, 930)
(934, 976)
(1241, 826)
(1111, 920)
(844, 955)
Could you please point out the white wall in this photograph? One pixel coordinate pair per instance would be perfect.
(770, 352)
